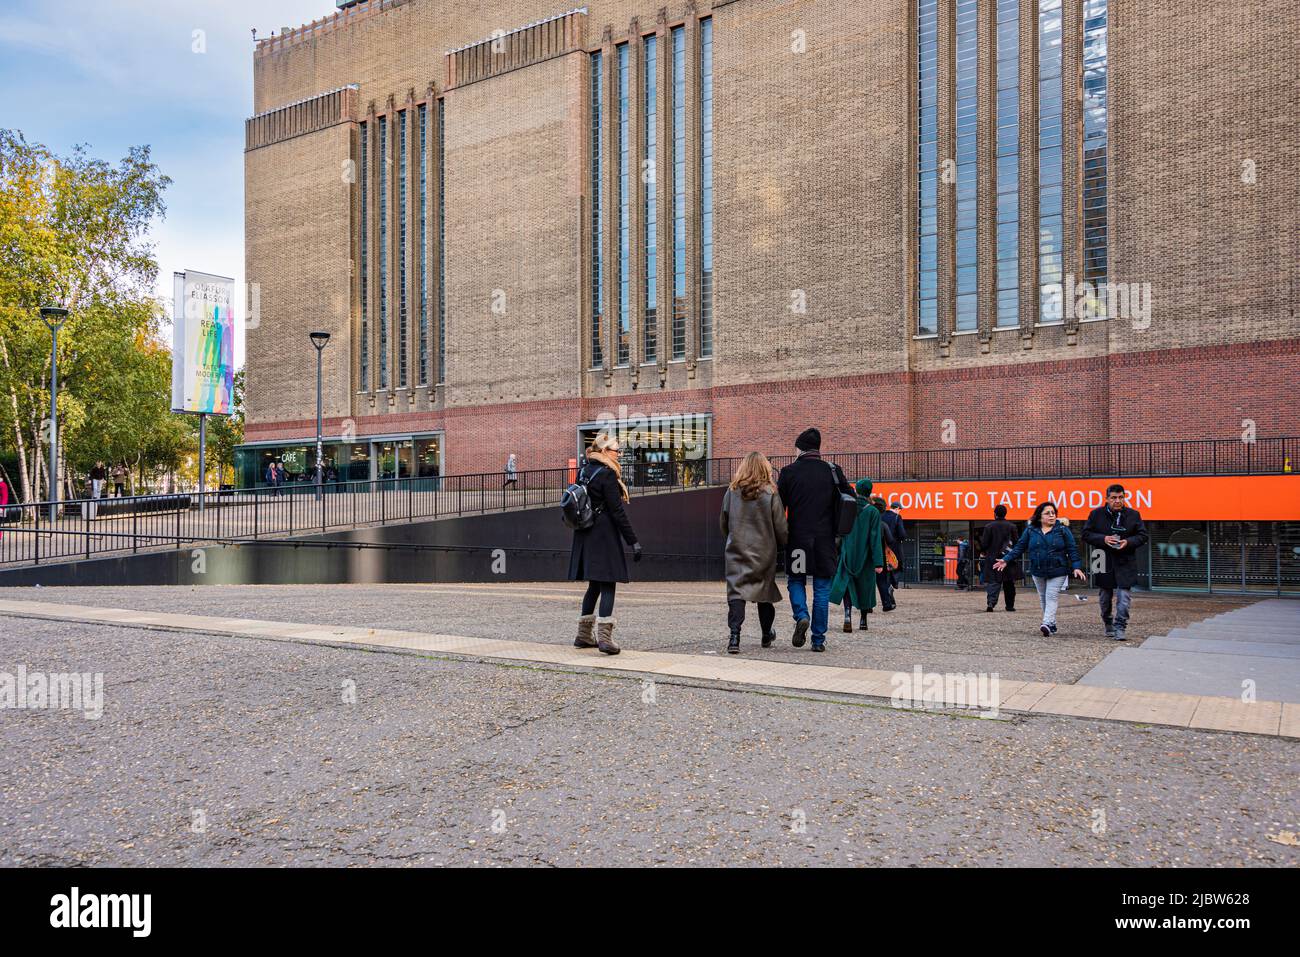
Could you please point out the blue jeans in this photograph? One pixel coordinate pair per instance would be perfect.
(1122, 598)
(821, 601)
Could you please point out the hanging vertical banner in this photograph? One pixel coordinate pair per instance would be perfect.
(203, 343)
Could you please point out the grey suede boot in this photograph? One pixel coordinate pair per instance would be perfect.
(586, 624)
(605, 636)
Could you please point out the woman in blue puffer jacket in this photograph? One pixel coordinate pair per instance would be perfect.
(1052, 558)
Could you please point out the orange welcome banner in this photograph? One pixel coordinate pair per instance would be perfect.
(1219, 498)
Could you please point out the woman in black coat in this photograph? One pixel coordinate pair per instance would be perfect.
(597, 556)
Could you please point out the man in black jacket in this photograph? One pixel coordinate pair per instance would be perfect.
(997, 539)
(1118, 532)
(809, 489)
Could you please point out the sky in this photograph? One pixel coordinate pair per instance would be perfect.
(119, 73)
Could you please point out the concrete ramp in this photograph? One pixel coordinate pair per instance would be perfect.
(1259, 643)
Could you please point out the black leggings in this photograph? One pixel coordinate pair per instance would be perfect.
(605, 590)
(736, 614)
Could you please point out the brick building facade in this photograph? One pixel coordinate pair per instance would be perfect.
(473, 202)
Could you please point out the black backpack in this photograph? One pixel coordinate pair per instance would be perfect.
(576, 509)
(846, 506)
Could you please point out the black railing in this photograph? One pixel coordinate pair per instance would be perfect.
(84, 529)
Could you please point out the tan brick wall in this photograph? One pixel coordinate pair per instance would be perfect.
(811, 188)
(1199, 89)
(297, 251)
(514, 180)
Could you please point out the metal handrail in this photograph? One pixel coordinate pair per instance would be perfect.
(103, 526)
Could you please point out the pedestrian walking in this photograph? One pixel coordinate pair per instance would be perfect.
(753, 523)
(997, 539)
(597, 555)
(4, 498)
(862, 558)
(963, 559)
(810, 488)
(98, 476)
(512, 472)
(1052, 557)
(1117, 530)
(894, 521)
(885, 580)
(273, 478)
(119, 475)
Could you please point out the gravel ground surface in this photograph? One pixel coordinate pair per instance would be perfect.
(576, 768)
(938, 629)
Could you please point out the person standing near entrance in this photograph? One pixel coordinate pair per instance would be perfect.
(753, 523)
(810, 488)
(1053, 557)
(597, 554)
(862, 558)
(512, 472)
(998, 537)
(1118, 532)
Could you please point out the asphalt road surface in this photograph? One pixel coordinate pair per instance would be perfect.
(222, 751)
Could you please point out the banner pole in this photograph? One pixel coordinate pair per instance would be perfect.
(203, 447)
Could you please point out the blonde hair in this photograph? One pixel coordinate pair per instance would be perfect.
(753, 477)
(601, 450)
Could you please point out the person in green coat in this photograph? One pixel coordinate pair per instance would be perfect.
(862, 557)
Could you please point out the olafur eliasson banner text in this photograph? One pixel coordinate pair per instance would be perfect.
(1259, 498)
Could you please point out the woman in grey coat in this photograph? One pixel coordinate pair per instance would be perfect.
(753, 519)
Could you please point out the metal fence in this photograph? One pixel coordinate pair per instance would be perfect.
(83, 529)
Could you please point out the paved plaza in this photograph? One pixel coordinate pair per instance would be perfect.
(270, 747)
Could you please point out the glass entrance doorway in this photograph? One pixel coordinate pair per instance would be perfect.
(665, 450)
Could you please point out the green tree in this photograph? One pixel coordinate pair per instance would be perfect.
(73, 232)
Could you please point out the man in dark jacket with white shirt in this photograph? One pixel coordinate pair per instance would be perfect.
(1118, 532)
(810, 488)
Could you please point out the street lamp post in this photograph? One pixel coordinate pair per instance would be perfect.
(319, 340)
(54, 318)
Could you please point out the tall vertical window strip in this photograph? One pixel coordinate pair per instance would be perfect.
(383, 252)
(597, 212)
(1007, 113)
(624, 209)
(440, 156)
(1050, 221)
(650, 333)
(679, 193)
(967, 104)
(422, 275)
(1094, 143)
(365, 260)
(706, 187)
(402, 326)
(927, 155)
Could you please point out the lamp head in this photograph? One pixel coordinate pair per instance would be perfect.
(54, 316)
(319, 339)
